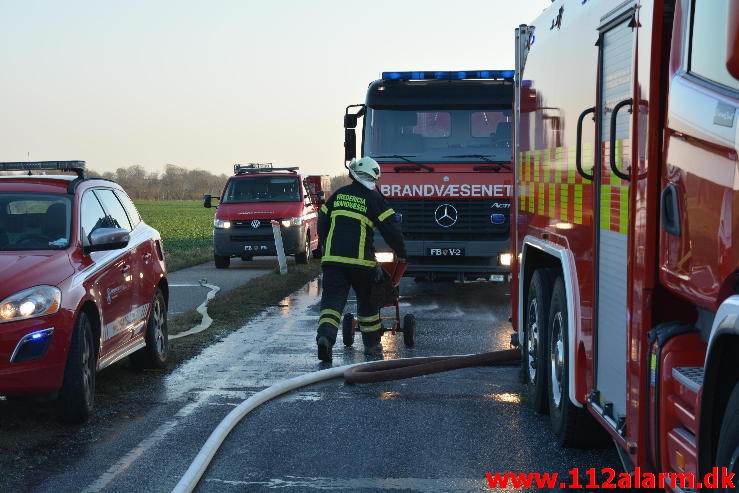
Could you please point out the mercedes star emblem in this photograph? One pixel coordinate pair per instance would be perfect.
(255, 223)
(446, 215)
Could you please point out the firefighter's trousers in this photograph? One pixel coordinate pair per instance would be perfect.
(336, 283)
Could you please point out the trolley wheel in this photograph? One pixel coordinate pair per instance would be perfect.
(347, 330)
(409, 330)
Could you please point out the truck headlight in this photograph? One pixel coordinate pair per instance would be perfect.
(385, 257)
(292, 221)
(221, 224)
(30, 303)
(505, 259)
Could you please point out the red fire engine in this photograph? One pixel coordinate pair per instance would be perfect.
(443, 142)
(626, 269)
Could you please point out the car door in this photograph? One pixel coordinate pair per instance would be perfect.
(110, 278)
(138, 293)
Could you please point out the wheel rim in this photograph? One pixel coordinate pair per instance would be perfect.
(158, 325)
(532, 339)
(556, 359)
(87, 361)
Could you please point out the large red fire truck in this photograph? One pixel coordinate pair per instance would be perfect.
(443, 142)
(626, 227)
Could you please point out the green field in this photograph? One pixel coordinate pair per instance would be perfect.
(186, 228)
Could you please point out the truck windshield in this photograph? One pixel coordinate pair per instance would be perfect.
(31, 221)
(440, 136)
(262, 189)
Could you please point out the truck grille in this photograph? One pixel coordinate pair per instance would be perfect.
(474, 219)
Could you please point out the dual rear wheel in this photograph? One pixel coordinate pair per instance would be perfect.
(546, 365)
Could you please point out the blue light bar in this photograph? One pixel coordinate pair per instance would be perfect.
(450, 75)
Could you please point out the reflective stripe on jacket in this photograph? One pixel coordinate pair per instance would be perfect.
(346, 223)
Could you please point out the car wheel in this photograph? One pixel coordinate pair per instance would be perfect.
(347, 330)
(409, 330)
(154, 355)
(221, 261)
(727, 453)
(534, 360)
(302, 257)
(77, 394)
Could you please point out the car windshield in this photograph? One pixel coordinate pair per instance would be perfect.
(30, 221)
(439, 136)
(262, 189)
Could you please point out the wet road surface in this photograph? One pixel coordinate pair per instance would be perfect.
(439, 432)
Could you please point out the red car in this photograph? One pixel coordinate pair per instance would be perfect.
(84, 284)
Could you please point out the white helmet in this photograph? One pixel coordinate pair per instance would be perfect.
(365, 170)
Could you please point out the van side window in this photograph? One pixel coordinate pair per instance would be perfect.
(708, 39)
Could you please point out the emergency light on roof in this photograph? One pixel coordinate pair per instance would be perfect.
(76, 166)
(452, 75)
(240, 169)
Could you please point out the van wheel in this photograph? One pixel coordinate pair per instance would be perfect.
(302, 257)
(221, 261)
(534, 357)
(154, 355)
(76, 397)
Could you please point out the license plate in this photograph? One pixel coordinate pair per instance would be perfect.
(255, 248)
(446, 252)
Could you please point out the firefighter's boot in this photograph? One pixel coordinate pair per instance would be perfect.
(372, 343)
(324, 349)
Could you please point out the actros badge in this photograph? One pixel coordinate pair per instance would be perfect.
(446, 215)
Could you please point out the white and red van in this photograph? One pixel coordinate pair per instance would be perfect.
(255, 195)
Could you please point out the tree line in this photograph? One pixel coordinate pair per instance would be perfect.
(175, 182)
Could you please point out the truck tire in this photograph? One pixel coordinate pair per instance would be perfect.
(573, 426)
(534, 357)
(727, 453)
(77, 395)
(302, 257)
(154, 355)
(347, 330)
(221, 261)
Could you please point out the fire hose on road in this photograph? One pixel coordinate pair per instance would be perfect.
(375, 371)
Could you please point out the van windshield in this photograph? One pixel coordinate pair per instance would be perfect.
(262, 189)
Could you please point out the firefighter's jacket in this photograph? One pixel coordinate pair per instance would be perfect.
(346, 223)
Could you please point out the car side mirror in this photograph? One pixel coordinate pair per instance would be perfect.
(732, 40)
(103, 239)
(207, 201)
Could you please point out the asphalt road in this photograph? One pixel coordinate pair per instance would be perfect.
(440, 432)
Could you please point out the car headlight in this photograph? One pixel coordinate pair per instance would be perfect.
(505, 259)
(292, 221)
(385, 257)
(221, 223)
(30, 303)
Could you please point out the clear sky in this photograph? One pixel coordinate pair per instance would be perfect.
(206, 83)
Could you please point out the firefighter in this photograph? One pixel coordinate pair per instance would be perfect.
(346, 223)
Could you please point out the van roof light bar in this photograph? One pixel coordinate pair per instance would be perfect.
(76, 166)
(240, 169)
(450, 75)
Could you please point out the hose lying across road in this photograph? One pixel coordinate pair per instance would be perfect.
(375, 371)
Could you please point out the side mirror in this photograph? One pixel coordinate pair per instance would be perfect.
(107, 239)
(207, 201)
(350, 120)
(732, 40)
(350, 144)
